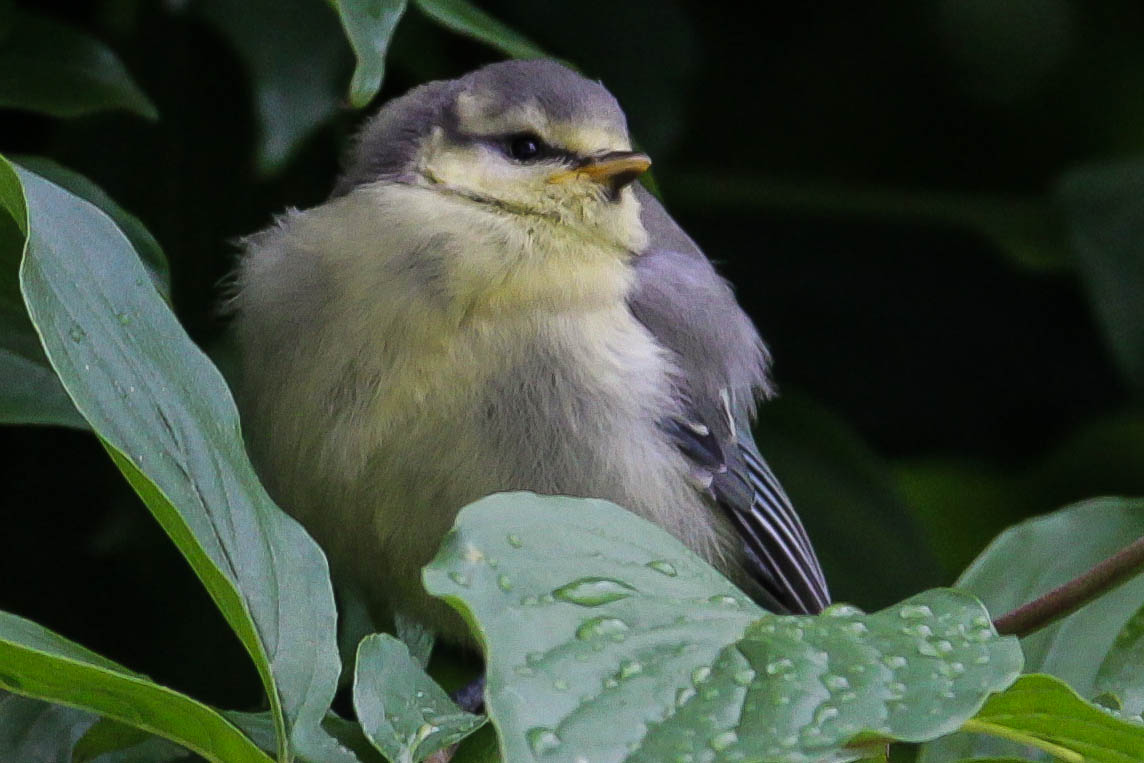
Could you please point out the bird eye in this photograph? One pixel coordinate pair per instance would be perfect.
(525, 146)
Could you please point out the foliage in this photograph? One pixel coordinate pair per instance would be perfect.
(597, 645)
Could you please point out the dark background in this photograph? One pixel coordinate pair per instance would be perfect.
(878, 180)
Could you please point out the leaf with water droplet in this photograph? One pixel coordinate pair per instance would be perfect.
(658, 665)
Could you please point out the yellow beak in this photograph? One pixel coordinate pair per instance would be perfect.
(615, 169)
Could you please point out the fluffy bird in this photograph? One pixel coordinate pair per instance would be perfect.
(487, 302)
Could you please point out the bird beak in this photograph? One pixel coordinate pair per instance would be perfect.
(614, 169)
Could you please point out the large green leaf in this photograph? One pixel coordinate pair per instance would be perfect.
(465, 18)
(406, 715)
(606, 639)
(369, 25)
(1013, 571)
(1044, 712)
(30, 392)
(296, 58)
(44, 665)
(1105, 211)
(51, 68)
(168, 421)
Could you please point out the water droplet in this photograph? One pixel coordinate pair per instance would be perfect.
(630, 668)
(610, 683)
(724, 600)
(722, 741)
(529, 600)
(424, 730)
(493, 562)
(459, 578)
(533, 657)
(542, 740)
(858, 629)
(897, 690)
(841, 610)
(982, 660)
(504, 582)
(592, 592)
(825, 713)
(981, 621)
(524, 670)
(847, 696)
(77, 333)
(560, 684)
(915, 612)
(779, 666)
(927, 649)
(659, 565)
(956, 668)
(683, 696)
(944, 646)
(744, 677)
(685, 758)
(602, 627)
(124, 318)
(835, 683)
(514, 540)
(895, 661)
(782, 699)
(700, 674)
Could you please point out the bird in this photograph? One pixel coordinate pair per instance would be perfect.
(488, 301)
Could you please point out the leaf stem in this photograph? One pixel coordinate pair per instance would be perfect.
(1068, 598)
(1013, 735)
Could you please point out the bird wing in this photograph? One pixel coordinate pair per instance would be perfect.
(779, 554)
(722, 366)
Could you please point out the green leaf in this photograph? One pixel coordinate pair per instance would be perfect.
(34, 731)
(296, 72)
(467, 19)
(1044, 712)
(260, 728)
(42, 664)
(405, 714)
(30, 393)
(141, 239)
(1122, 672)
(606, 638)
(1012, 571)
(369, 25)
(54, 69)
(166, 417)
(1105, 212)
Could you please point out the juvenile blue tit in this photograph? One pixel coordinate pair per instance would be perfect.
(487, 302)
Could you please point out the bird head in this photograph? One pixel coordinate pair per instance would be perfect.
(530, 142)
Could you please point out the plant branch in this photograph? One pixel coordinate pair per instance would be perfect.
(1068, 598)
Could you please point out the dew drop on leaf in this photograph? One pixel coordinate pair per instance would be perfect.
(459, 578)
(602, 627)
(77, 334)
(514, 540)
(592, 592)
(915, 612)
(542, 740)
(722, 741)
(663, 567)
(700, 674)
